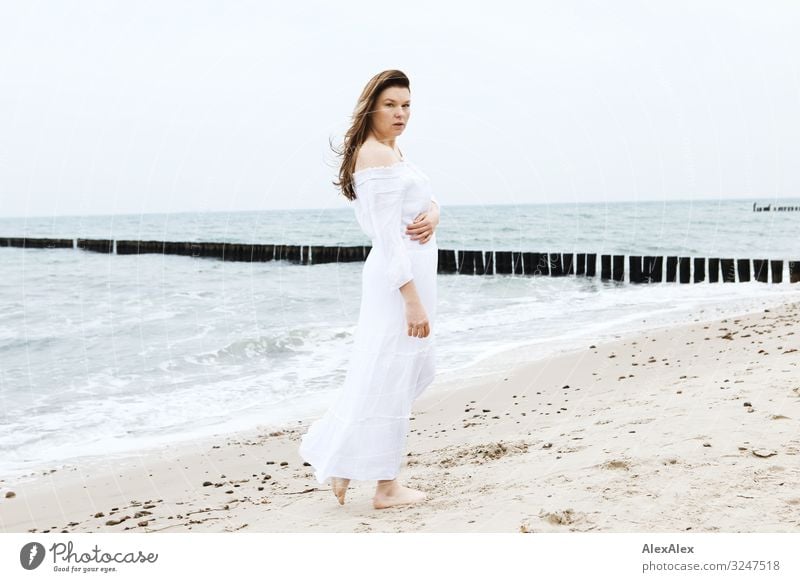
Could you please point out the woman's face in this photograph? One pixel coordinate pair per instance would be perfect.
(392, 110)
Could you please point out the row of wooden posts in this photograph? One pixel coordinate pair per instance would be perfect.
(641, 269)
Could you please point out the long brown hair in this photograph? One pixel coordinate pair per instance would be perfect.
(361, 124)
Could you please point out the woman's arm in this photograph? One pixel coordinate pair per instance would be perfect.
(385, 204)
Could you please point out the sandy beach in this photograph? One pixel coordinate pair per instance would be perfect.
(690, 428)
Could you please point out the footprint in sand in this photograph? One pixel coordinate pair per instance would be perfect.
(616, 464)
(482, 453)
(564, 517)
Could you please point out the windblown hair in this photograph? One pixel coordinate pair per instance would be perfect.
(361, 125)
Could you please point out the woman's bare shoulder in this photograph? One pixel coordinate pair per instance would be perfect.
(374, 155)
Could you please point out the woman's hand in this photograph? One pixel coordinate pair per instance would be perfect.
(417, 319)
(424, 225)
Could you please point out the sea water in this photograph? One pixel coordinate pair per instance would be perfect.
(103, 354)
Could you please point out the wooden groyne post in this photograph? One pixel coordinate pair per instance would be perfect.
(641, 268)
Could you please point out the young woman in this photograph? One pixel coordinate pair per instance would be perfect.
(363, 434)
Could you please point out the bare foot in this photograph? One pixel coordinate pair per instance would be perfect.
(389, 494)
(340, 488)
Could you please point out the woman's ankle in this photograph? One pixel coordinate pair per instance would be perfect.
(386, 486)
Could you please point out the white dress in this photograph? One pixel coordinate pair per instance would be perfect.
(362, 436)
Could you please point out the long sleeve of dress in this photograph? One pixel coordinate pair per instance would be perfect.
(385, 208)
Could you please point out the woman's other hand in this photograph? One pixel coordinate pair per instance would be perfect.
(424, 225)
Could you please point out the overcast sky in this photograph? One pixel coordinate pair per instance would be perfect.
(131, 107)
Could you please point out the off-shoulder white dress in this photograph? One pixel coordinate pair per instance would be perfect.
(362, 436)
